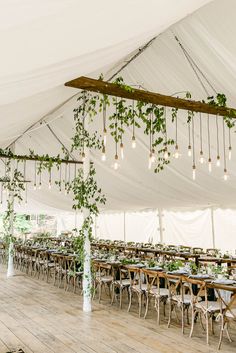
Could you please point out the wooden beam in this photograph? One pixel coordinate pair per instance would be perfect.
(38, 158)
(112, 89)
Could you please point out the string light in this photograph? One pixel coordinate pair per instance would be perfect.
(230, 147)
(116, 165)
(151, 158)
(103, 158)
(194, 164)
(121, 139)
(133, 135)
(218, 145)
(166, 154)
(209, 144)
(104, 123)
(201, 159)
(189, 141)
(224, 152)
(176, 154)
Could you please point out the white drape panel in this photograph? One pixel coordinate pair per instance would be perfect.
(142, 226)
(225, 229)
(188, 228)
(110, 226)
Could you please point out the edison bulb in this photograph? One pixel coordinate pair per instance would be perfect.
(35, 187)
(189, 151)
(194, 172)
(209, 165)
(166, 155)
(133, 142)
(83, 157)
(103, 158)
(225, 176)
(218, 161)
(40, 185)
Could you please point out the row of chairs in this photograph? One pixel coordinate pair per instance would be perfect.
(187, 295)
(62, 269)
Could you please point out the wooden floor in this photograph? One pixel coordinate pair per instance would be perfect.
(38, 317)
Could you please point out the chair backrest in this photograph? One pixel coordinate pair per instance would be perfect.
(197, 289)
(174, 284)
(134, 274)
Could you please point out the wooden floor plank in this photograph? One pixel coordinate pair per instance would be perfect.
(41, 318)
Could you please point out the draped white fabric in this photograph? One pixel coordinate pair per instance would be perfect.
(65, 41)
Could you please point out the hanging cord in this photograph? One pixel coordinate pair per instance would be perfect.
(224, 154)
(217, 141)
(198, 72)
(230, 146)
(116, 124)
(209, 142)
(193, 141)
(189, 139)
(201, 148)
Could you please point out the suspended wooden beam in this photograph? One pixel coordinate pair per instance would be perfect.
(112, 89)
(39, 159)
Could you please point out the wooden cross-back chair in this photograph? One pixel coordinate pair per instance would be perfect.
(137, 286)
(228, 314)
(120, 283)
(154, 290)
(177, 299)
(200, 305)
(103, 278)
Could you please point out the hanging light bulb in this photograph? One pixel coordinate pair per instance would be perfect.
(49, 185)
(83, 157)
(122, 150)
(189, 151)
(194, 172)
(218, 161)
(150, 161)
(103, 158)
(133, 142)
(201, 159)
(35, 186)
(116, 165)
(209, 165)
(230, 153)
(153, 158)
(166, 154)
(225, 175)
(176, 154)
(40, 185)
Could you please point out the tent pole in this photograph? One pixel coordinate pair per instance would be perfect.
(160, 224)
(213, 228)
(87, 280)
(10, 267)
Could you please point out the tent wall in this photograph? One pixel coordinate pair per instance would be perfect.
(193, 228)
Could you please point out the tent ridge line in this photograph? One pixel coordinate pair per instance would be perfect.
(112, 89)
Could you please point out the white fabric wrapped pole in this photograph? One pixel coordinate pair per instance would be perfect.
(10, 267)
(87, 249)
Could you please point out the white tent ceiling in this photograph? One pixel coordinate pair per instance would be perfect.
(53, 44)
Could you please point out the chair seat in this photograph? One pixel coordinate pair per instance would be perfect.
(123, 283)
(105, 279)
(137, 288)
(162, 292)
(185, 300)
(210, 306)
(231, 314)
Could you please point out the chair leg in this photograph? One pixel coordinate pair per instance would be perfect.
(221, 332)
(121, 295)
(140, 304)
(192, 322)
(207, 329)
(130, 300)
(170, 314)
(147, 305)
